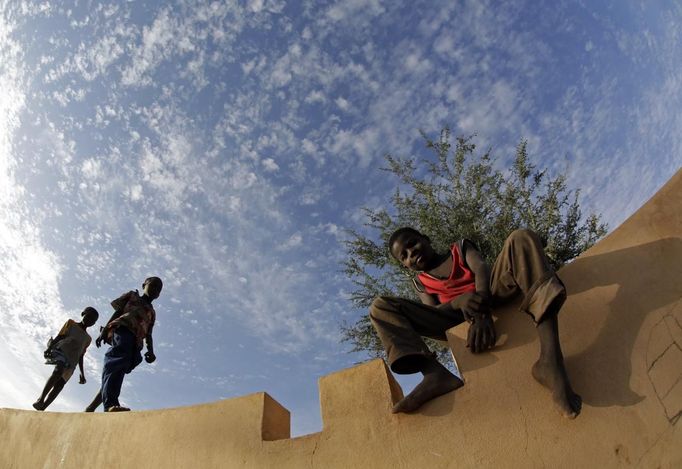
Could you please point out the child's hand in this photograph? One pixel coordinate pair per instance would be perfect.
(82, 379)
(472, 305)
(100, 337)
(149, 357)
(481, 335)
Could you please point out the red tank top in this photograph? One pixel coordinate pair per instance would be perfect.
(461, 279)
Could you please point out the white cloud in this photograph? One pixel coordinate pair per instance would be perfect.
(30, 308)
(294, 240)
(270, 165)
(343, 11)
(91, 168)
(315, 96)
(342, 103)
(155, 46)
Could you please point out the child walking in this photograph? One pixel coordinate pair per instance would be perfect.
(67, 350)
(131, 324)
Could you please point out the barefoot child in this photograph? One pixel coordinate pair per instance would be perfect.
(67, 350)
(131, 323)
(458, 286)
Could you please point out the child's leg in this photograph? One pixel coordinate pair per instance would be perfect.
(96, 401)
(549, 369)
(56, 389)
(51, 381)
(522, 267)
(117, 361)
(400, 324)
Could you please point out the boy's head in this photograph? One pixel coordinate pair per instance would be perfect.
(90, 316)
(411, 248)
(152, 287)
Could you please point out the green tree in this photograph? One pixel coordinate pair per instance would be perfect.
(454, 193)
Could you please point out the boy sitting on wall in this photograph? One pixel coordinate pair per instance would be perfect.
(458, 286)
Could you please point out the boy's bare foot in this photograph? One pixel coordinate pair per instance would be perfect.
(117, 408)
(553, 376)
(437, 381)
(39, 405)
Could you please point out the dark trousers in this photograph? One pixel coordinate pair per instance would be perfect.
(121, 358)
(522, 268)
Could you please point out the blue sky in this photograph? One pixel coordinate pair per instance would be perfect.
(226, 146)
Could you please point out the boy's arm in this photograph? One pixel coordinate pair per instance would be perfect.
(103, 330)
(80, 366)
(481, 335)
(481, 271)
(428, 299)
(118, 304)
(149, 356)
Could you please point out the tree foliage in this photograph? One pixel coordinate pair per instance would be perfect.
(457, 192)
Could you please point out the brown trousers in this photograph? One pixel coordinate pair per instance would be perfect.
(521, 268)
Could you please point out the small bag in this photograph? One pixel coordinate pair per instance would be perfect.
(50, 358)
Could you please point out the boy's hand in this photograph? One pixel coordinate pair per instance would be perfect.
(472, 305)
(82, 379)
(481, 334)
(149, 357)
(100, 337)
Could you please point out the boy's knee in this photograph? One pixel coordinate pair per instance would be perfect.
(379, 306)
(523, 235)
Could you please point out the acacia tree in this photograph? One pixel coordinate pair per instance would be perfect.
(456, 192)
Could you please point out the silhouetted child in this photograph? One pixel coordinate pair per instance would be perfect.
(130, 325)
(458, 286)
(65, 351)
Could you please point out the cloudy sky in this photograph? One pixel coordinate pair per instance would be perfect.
(225, 147)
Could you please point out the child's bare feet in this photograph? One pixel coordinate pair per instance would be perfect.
(39, 405)
(437, 381)
(552, 375)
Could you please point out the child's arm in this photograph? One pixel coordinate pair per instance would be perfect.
(80, 366)
(481, 335)
(428, 299)
(149, 357)
(118, 304)
(481, 271)
(104, 330)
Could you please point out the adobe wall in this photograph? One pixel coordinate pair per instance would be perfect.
(622, 339)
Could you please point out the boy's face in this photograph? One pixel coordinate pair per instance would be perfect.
(413, 250)
(152, 289)
(89, 318)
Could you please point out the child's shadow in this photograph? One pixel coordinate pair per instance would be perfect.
(647, 278)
